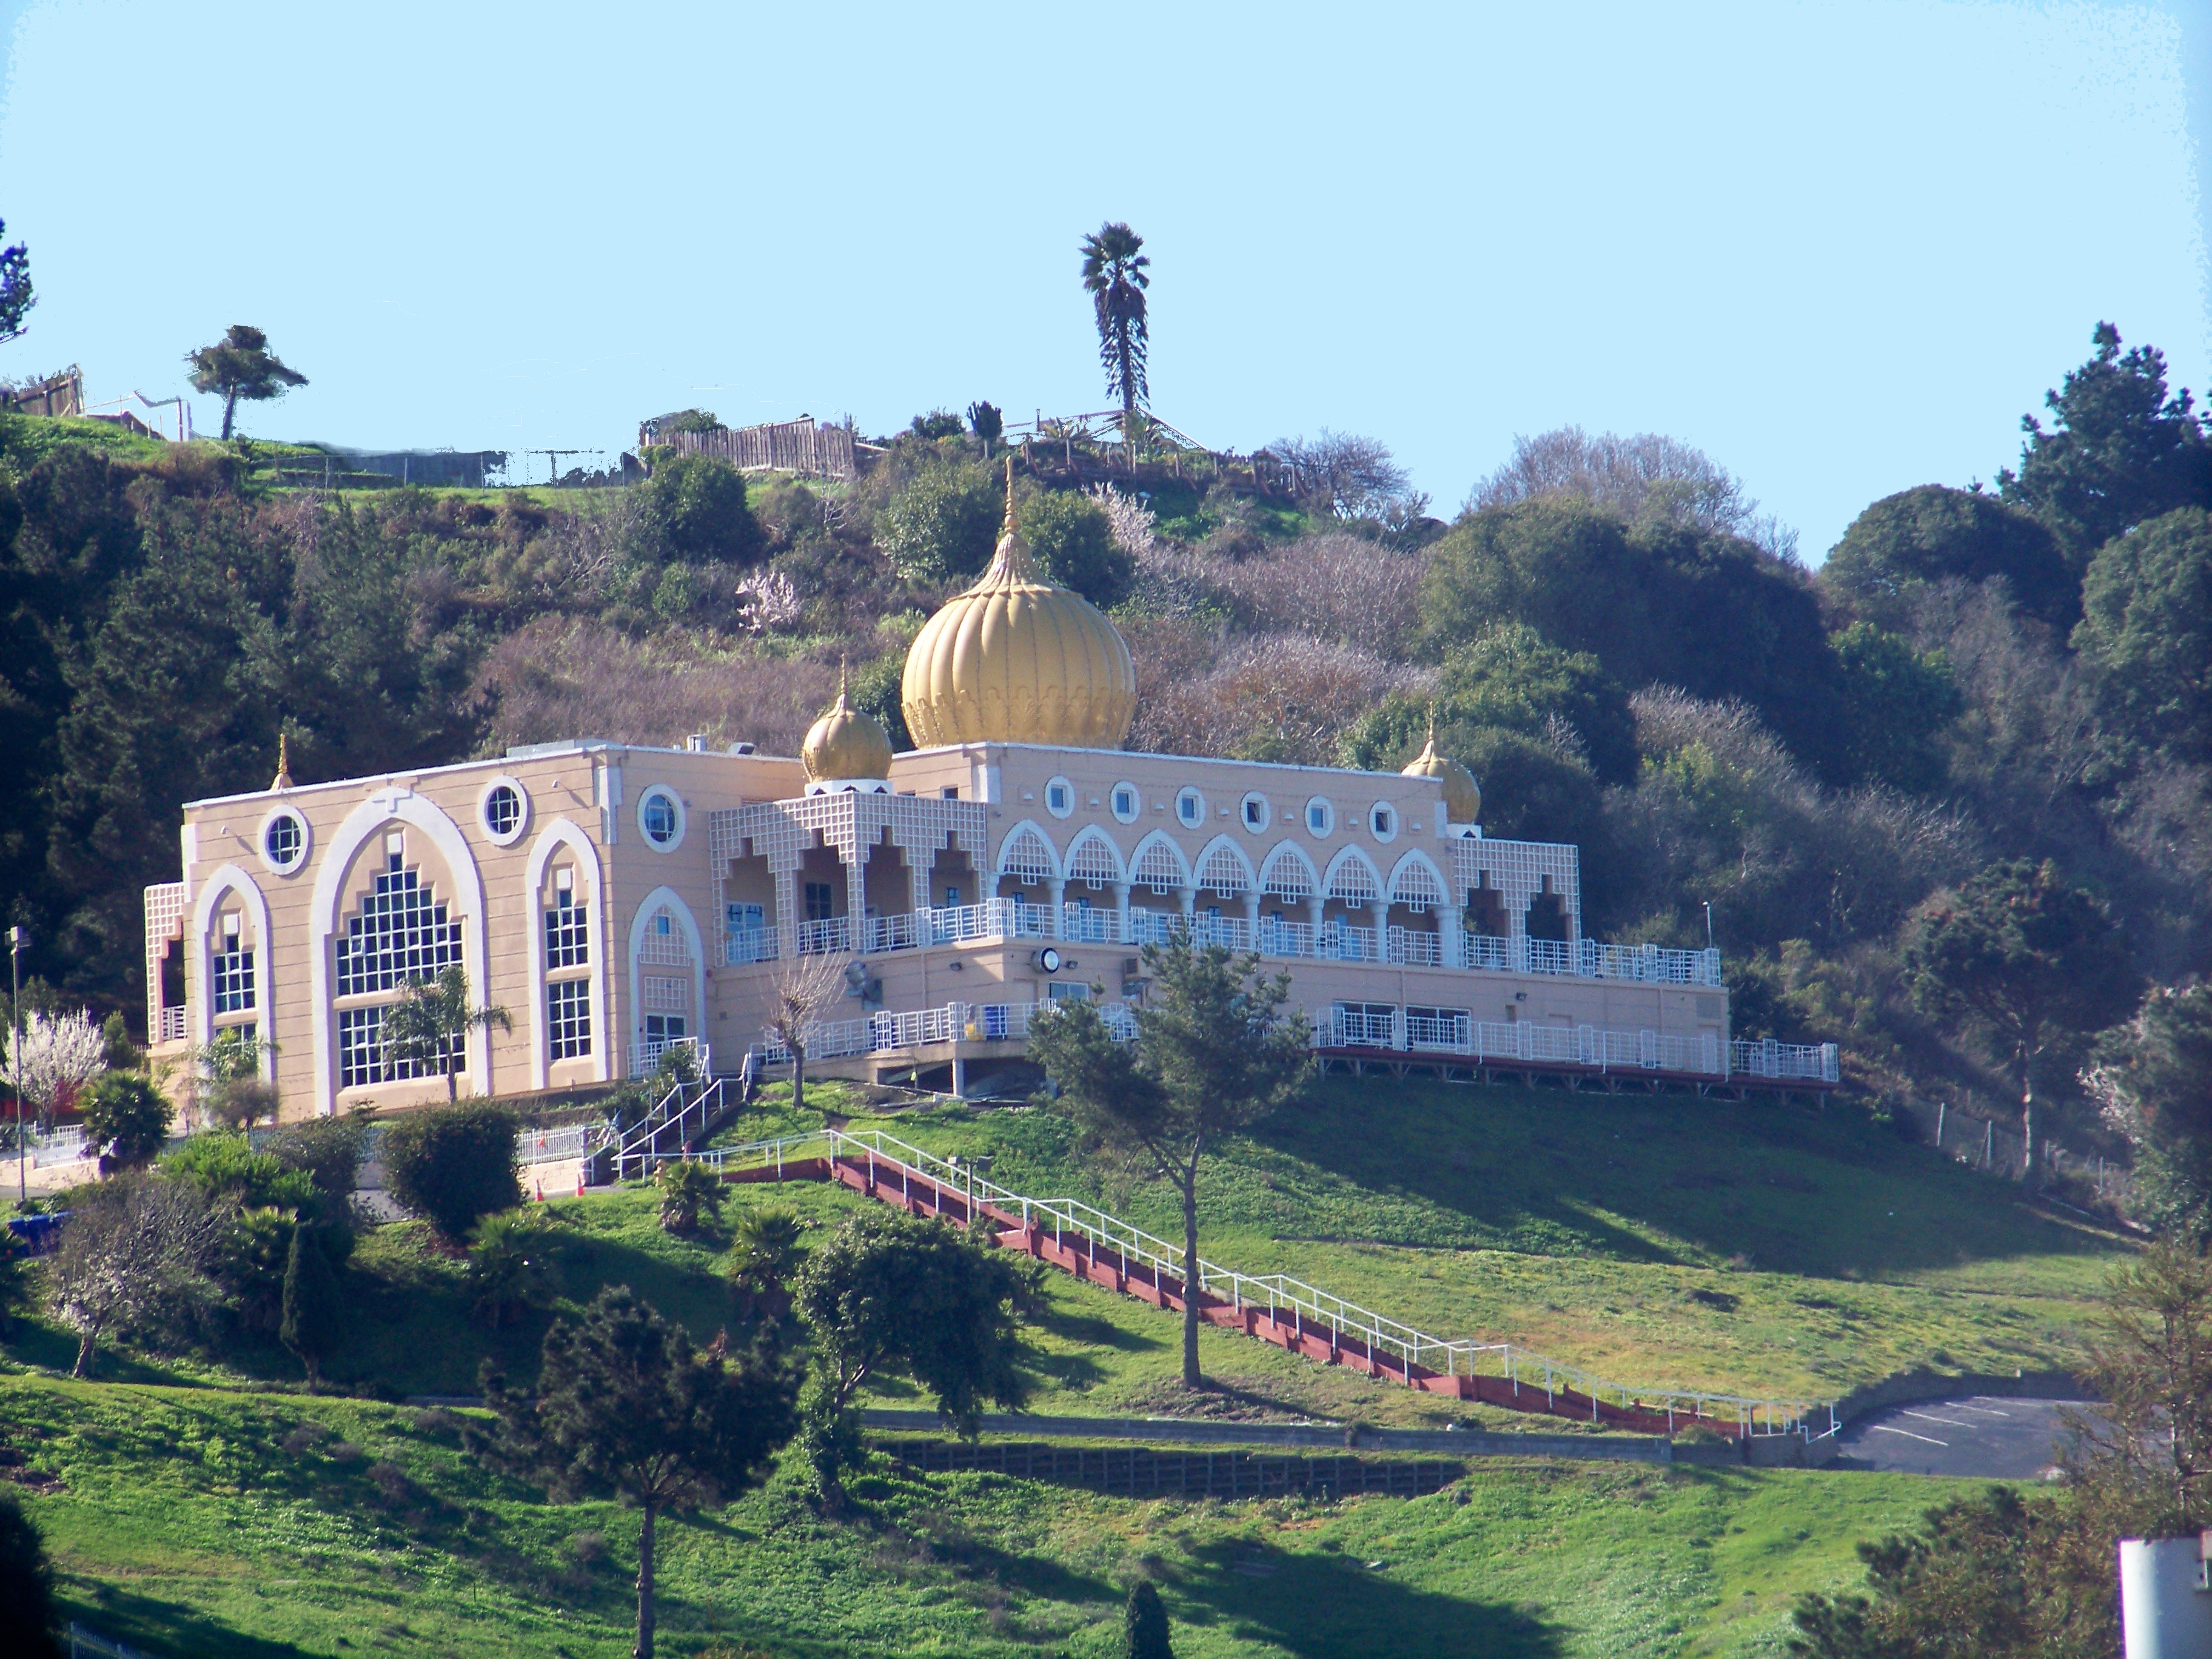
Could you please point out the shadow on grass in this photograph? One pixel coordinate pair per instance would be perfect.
(162, 1628)
(1326, 1605)
(1821, 1194)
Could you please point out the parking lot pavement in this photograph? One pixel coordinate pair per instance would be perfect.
(1974, 1434)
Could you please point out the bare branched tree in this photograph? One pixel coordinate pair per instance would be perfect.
(1646, 475)
(800, 989)
(1335, 586)
(1352, 477)
(135, 1249)
(1282, 698)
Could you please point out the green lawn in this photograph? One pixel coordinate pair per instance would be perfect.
(206, 1521)
(1752, 1247)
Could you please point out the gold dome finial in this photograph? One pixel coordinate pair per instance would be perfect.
(283, 779)
(847, 744)
(1462, 795)
(1016, 659)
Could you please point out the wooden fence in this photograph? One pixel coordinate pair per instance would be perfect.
(801, 447)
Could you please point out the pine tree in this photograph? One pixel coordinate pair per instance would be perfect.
(1144, 1626)
(315, 1306)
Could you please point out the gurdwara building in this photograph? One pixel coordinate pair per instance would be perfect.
(616, 899)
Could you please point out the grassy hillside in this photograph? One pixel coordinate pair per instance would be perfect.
(198, 1521)
(1752, 1248)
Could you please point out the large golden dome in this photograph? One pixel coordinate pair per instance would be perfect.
(846, 746)
(1016, 660)
(1463, 798)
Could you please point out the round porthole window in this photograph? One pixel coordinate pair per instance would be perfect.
(283, 840)
(660, 820)
(1320, 817)
(1190, 809)
(1125, 802)
(1059, 798)
(1383, 821)
(505, 812)
(1253, 813)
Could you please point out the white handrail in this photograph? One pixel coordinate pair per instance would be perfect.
(1279, 1293)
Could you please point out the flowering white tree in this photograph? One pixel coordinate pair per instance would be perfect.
(61, 1054)
(1134, 527)
(770, 601)
(136, 1250)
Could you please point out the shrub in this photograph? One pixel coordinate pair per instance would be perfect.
(125, 1114)
(700, 501)
(942, 523)
(690, 1193)
(1144, 1625)
(508, 1271)
(26, 1585)
(452, 1165)
(1073, 540)
(328, 1148)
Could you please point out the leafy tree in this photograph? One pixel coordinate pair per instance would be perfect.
(691, 1193)
(942, 523)
(126, 1114)
(2146, 631)
(1115, 276)
(1214, 1054)
(2150, 1362)
(240, 367)
(16, 297)
(1893, 703)
(1073, 540)
(1144, 1625)
(1906, 543)
(120, 1053)
(315, 1317)
(2154, 1078)
(700, 501)
(628, 1408)
(328, 1148)
(510, 1269)
(1656, 603)
(232, 1092)
(136, 1249)
(937, 423)
(1510, 678)
(429, 1026)
(28, 1617)
(986, 420)
(2034, 961)
(877, 689)
(2120, 450)
(891, 1294)
(453, 1164)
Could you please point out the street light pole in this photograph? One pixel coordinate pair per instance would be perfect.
(1709, 923)
(17, 939)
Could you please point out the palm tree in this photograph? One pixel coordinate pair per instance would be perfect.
(1114, 274)
(429, 1027)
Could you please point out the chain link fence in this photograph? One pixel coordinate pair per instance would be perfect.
(1984, 1144)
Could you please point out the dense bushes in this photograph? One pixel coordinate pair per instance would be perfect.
(454, 1164)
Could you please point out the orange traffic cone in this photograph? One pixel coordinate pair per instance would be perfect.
(541, 1190)
(580, 1183)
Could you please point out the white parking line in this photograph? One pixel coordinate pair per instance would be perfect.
(1982, 1411)
(1884, 1428)
(1948, 1422)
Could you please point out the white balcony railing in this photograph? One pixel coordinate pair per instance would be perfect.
(1273, 936)
(645, 1055)
(1785, 1061)
(956, 1022)
(172, 1026)
(751, 944)
(829, 937)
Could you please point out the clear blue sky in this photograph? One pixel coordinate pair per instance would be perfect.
(1841, 246)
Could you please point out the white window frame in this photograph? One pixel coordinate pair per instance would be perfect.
(522, 812)
(1136, 802)
(1384, 821)
(1185, 795)
(306, 841)
(644, 798)
(1252, 827)
(1067, 794)
(1327, 808)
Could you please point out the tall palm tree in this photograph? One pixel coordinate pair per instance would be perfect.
(1114, 274)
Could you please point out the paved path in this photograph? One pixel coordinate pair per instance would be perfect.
(1974, 1434)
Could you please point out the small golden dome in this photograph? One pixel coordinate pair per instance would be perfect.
(1462, 797)
(846, 746)
(1016, 660)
